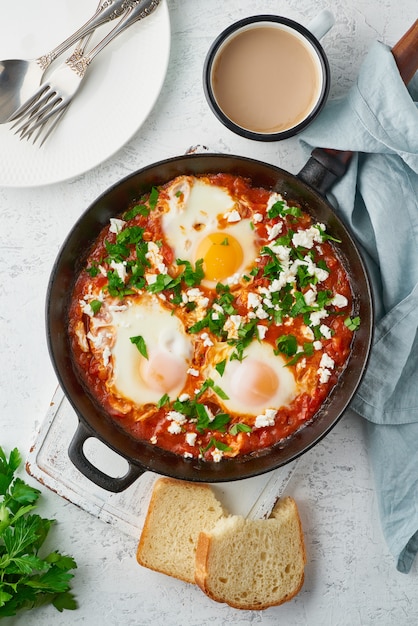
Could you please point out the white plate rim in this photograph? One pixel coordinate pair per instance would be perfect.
(24, 165)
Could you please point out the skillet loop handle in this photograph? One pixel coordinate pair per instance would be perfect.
(99, 478)
(324, 167)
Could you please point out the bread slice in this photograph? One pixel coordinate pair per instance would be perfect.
(178, 512)
(253, 564)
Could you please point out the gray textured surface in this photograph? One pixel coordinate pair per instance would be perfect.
(351, 578)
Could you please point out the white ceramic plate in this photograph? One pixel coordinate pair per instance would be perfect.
(120, 89)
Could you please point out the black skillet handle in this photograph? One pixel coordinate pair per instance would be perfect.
(324, 167)
(99, 478)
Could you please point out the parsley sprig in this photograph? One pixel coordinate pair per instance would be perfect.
(27, 578)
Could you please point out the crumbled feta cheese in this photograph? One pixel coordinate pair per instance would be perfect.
(177, 419)
(116, 225)
(184, 397)
(217, 307)
(153, 439)
(320, 274)
(315, 271)
(232, 216)
(176, 416)
(273, 198)
(191, 438)
(310, 297)
(282, 252)
(325, 366)
(257, 217)
(215, 316)
(155, 257)
(217, 455)
(316, 316)
(253, 300)
(273, 231)
(275, 285)
(193, 372)
(324, 375)
(232, 325)
(339, 301)
(234, 279)
(306, 238)
(120, 269)
(325, 331)
(262, 331)
(308, 333)
(268, 303)
(187, 455)
(86, 308)
(327, 361)
(317, 345)
(174, 428)
(151, 278)
(261, 314)
(196, 296)
(207, 341)
(265, 419)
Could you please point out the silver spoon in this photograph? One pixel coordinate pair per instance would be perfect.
(19, 78)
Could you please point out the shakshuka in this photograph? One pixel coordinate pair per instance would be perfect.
(212, 318)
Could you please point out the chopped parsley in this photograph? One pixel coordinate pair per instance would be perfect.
(281, 209)
(139, 342)
(95, 305)
(352, 323)
(240, 427)
(220, 367)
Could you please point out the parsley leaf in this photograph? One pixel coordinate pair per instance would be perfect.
(273, 267)
(139, 341)
(286, 344)
(153, 198)
(95, 306)
(240, 427)
(138, 209)
(28, 579)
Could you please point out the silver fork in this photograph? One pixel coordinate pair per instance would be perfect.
(45, 108)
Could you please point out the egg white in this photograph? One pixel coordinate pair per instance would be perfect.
(195, 209)
(167, 345)
(259, 362)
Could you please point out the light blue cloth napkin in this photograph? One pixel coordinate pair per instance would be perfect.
(378, 199)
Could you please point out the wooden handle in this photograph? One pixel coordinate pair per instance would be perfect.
(406, 53)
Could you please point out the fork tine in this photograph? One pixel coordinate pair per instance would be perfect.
(49, 106)
(52, 125)
(31, 112)
(41, 120)
(27, 107)
(39, 116)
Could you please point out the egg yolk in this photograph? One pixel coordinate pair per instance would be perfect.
(163, 372)
(222, 255)
(255, 382)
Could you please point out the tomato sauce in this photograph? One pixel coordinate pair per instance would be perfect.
(305, 302)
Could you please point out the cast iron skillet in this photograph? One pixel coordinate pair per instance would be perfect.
(308, 187)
